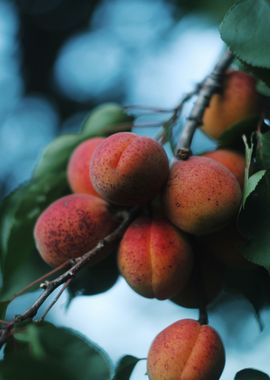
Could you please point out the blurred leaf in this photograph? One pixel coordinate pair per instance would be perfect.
(263, 89)
(232, 137)
(263, 150)
(251, 184)
(254, 284)
(46, 345)
(246, 29)
(96, 279)
(125, 367)
(20, 262)
(106, 119)
(55, 157)
(251, 374)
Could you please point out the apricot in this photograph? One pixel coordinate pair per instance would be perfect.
(71, 226)
(201, 195)
(127, 169)
(226, 246)
(234, 161)
(186, 350)
(204, 284)
(237, 101)
(78, 167)
(154, 258)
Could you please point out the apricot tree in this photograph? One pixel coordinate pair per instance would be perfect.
(182, 231)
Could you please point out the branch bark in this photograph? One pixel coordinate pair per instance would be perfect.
(208, 87)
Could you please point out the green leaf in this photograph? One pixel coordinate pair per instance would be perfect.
(263, 89)
(55, 157)
(263, 150)
(246, 29)
(20, 263)
(251, 184)
(97, 279)
(106, 119)
(257, 250)
(251, 374)
(125, 367)
(232, 137)
(61, 348)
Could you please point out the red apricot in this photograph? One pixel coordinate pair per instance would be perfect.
(155, 258)
(237, 101)
(186, 350)
(127, 169)
(201, 195)
(234, 161)
(78, 167)
(71, 226)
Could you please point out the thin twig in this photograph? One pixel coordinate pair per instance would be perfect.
(65, 265)
(149, 109)
(66, 284)
(92, 257)
(209, 86)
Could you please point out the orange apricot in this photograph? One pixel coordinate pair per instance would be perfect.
(127, 169)
(237, 101)
(78, 167)
(186, 350)
(233, 160)
(155, 258)
(71, 226)
(201, 195)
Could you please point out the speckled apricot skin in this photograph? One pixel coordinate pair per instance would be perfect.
(155, 258)
(71, 226)
(78, 167)
(127, 169)
(201, 195)
(237, 101)
(186, 350)
(234, 161)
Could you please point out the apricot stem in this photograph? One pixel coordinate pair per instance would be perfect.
(209, 86)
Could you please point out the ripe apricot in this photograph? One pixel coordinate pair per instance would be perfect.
(78, 167)
(186, 350)
(71, 226)
(127, 169)
(234, 161)
(201, 195)
(237, 101)
(155, 258)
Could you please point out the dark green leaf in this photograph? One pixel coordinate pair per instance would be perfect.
(20, 262)
(96, 279)
(232, 137)
(263, 151)
(60, 348)
(246, 29)
(251, 374)
(251, 184)
(106, 119)
(263, 89)
(125, 367)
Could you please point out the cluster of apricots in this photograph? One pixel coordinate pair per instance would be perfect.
(188, 224)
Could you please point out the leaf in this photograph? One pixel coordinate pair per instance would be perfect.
(106, 119)
(61, 348)
(232, 137)
(251, 374)
(125, 367)
(20, 263)
(246, 29)
(96, 279)
(263, 89)
(251, 184)
(263, 151)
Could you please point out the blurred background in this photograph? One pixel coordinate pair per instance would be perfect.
(58, 60)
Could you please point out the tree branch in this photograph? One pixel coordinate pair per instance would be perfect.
(92, 257)
(208, 87)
